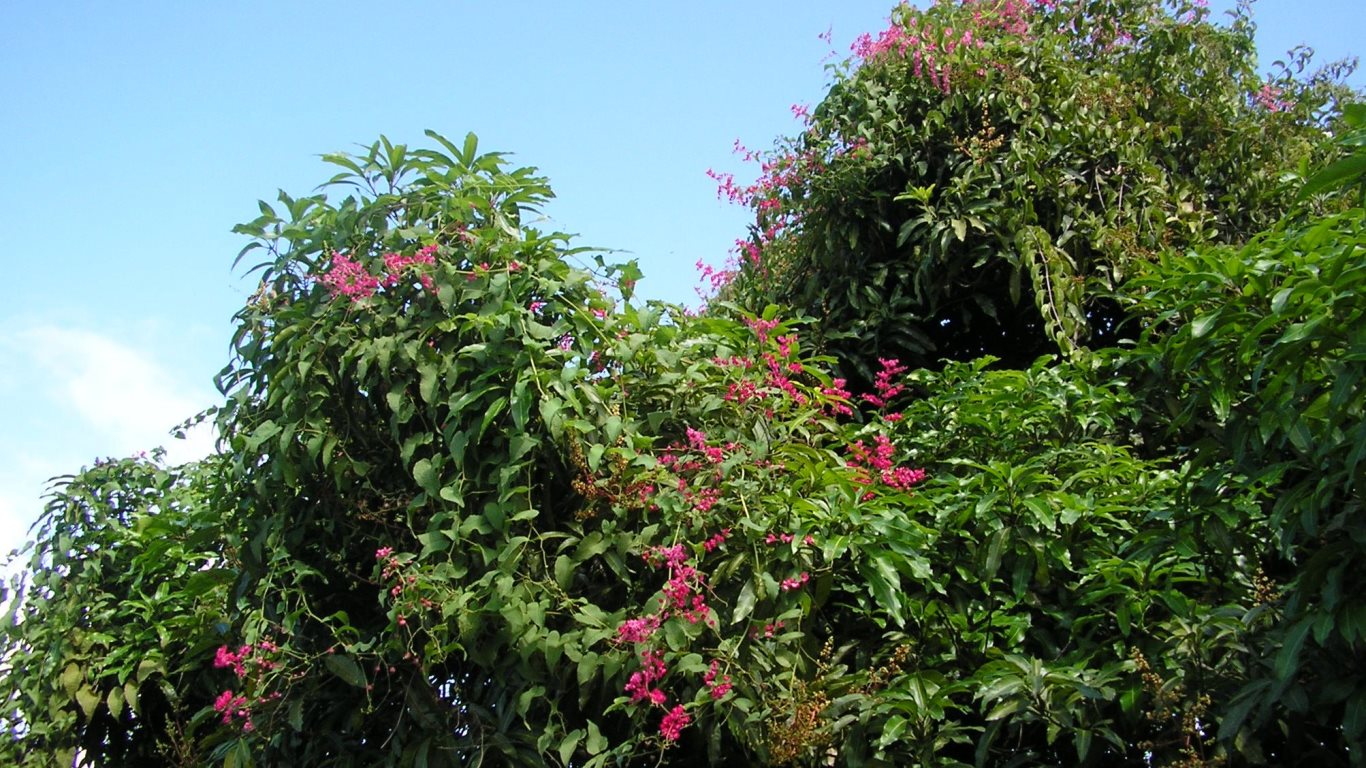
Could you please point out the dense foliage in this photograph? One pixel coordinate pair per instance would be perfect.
(984, 176)
(475, 504)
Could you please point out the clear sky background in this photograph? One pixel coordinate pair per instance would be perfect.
(137, 133)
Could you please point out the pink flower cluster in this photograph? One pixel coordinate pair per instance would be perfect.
(1272, 99)
(780, 366)
(767, 631)
(778, 371)
(761, 327)
(702, 499)
(929, 48)
(638, 630)
(714, 277)
(401, 586)
(878, 459)
(924, 47)
(348, 277)
(715, 542)
(884, 382)
(641, 686)
(247, 658)
(682, 590)
(671, 727)
(838, 404)
(796, 582)
(679, 459)
(683, 598)
(1011, 17)
(781, 176)
(787, 538)
(237, 660)
(718, 690)
(231, 706)
(697, 440)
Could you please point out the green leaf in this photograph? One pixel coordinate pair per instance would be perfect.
(892, 730)
(1082, 738)
(115, 702)
(88, 700)
(569, 744)
(428, 383)
(426, 477)
(744, 603)
(1202, 324)
(596, 741)
(265, 431)
(148, 667)
(1354, 717)
(72, 677)
(345, 668)
(885, 585)
(550, 412)
(1341, 172)
(564, 571)
(1005, 709)
(1288, 658)
(994, 551)
(238, 756)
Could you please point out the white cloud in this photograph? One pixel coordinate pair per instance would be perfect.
(70, 395)
(117, 389)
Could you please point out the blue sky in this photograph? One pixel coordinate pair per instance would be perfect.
(138, 133)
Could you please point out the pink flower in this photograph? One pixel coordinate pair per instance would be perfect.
(535, 306)
(224, 658)
(1271, 99)
(349, 278)
(237, 661)
(902, 478)
(640, 686)
(230, 706)
(637, 630)
(224, 702)
(704, 499)
(886, 389)
(768, 631)
(697, 439)
(761, 328)
(671, 727)
(716, 541)
(718, 690)
(673, 556)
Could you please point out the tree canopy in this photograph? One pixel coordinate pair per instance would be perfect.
(982, 177)
(1026, 430)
